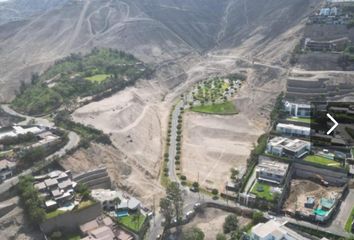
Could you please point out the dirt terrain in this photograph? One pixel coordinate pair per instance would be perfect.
(301, 189)
(211, 222)
(156, 31)
(212, 145)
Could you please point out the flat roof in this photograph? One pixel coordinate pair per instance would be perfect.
(274, 167)
(293, 126)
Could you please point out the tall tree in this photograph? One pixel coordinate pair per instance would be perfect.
(175, 195)
(230, 224)
(166, 210)
(193, 234)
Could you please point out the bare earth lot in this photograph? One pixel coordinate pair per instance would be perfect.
(212, 145)
(211, 222)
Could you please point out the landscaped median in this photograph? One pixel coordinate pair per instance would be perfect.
(322, 160)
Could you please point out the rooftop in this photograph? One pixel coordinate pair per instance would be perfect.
(275, 229)
(272, 167)
(7, 164)
(294, 127)
(109, 195)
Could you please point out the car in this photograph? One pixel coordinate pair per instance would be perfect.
(197, 205)
(189, 214)
(150, 215)
(158, 237)
(193, 189)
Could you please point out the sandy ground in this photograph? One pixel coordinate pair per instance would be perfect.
(212, 145)
(125, 173)
(301, 189)
(136, 119)
(211, 222)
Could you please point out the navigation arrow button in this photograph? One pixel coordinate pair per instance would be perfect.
(334, 126)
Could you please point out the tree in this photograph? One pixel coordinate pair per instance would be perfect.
(174, 194)
(195, 185)
(230, 224)
(220, 236)
(84, 191)
(193, 234)
(257, 217)
(214, 191)
(166, 210)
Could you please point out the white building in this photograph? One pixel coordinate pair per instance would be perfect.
(14, 131)
(271, 171)
(298, 110)
(291, 129)
(273, 230)
(281, 146)
(108, 200)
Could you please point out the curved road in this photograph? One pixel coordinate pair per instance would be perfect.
(73, 142)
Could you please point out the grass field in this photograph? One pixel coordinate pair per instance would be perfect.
(133, 222)
(98, 78)
(299, 119)
(265, 193)
(226, 108)
(322, 160)
(348, 224)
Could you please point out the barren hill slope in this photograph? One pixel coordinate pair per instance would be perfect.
(155, 31)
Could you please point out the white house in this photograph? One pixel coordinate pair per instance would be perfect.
(271, 171)
(273, 230)
(280, 146)
(291, 129)
(298, 109)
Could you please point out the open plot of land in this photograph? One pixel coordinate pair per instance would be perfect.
(322, 160)
(301, 189)
(212, 145)
(211, 220)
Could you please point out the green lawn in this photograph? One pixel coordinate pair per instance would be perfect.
(54, 214)
(299, 119)
(219, 108)
(98, 78)
(348, 224)
(263, 190)
(322, 160)
(133, 223)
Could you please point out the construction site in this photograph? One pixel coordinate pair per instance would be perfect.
(308, 198)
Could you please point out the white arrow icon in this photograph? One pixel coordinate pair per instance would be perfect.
(335, 124)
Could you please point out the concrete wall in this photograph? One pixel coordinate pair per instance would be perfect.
(70, 221)
(94, 179)
(334, 176)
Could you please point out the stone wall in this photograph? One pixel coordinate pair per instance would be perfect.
(71, 221)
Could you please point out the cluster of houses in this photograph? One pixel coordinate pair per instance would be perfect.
(58, 189)
(331, 14)
(44, 138)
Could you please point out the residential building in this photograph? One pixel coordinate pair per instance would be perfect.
(6, 169)
(46, 139)
(56, 188)
(298, 109)
(294, 130)
(16, 130)
(103, 228)
(271, 171)
(273, 230)
(108, 200)
(332, 45)
(281, 146)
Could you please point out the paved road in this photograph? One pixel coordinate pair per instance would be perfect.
(38, 120)
(73, 142)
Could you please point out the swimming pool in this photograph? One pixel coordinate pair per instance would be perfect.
(122, 213)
